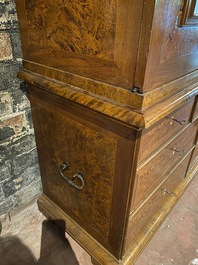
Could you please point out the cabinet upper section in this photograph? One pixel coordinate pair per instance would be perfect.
(125, 43)
(97, 39)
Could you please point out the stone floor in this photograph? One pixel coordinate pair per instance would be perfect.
(28, 238)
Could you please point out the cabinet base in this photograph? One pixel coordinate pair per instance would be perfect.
(99, 255)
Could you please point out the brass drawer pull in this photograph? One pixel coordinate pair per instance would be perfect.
(181, 122)
(77, 181)
(170, 193)
(179, 152)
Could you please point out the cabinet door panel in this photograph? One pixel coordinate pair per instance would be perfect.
(173, 50)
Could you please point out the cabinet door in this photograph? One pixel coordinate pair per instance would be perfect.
(172, 51)
(97, 148)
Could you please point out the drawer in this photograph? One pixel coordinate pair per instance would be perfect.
(83, 157)
(139, 220)
(150, 174)
(155, 136)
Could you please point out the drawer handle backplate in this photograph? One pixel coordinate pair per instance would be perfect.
(77, 181)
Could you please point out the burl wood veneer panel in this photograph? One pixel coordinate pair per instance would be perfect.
(95, 38)
(73, 142)
(95, 145)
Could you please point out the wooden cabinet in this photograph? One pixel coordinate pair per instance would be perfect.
(113, 87)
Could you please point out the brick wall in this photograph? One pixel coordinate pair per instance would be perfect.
(19, 172)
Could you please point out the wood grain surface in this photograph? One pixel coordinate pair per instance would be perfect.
(88, 38)
(95, 145)
(157, 166)
(108, 83)
(172, 51)
(157, 135)
(139, 220)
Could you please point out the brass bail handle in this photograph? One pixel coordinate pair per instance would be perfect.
(77, 181)
(170, 193)
(179, 152)
(172, 119)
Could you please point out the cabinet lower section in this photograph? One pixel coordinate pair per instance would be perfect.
(95, 180)
(102, 256)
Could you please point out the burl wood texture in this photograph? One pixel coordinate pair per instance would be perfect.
(94, 38)
(68, 140)
(172, 51)
(82, 27)
(82, 58)
(99, 254)
(119, 112)
(98, 147)
(83, 42)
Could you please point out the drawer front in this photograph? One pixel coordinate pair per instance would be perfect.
(139, 220)
(149, 175)
(99, 152)
(152, 138)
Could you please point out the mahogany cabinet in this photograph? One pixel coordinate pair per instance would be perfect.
(113, 87)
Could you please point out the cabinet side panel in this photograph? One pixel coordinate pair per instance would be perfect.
(94, 39)
(98, 147)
